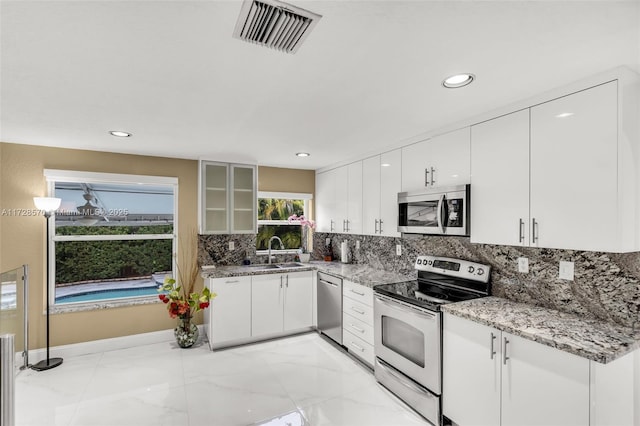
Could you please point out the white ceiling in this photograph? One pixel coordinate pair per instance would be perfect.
(366, 79)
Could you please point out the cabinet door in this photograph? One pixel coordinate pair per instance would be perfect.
(267, 299)
(371, 195)
(325, 201)
(471, 372)
(542, 385)
(415, 160)
(341, 191)
(298, 304)
(390, 185)
(244, 199)
(230, 312)
(214, 198)
(500, 180)
(448, 159)
(354, 198)
(574, 170)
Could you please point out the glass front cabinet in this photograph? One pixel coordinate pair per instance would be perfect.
(228, 198)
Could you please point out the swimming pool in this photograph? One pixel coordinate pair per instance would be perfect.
(108, 294)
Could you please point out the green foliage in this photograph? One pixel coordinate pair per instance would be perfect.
(291, 236)
(100, 260)
(278, 209)
(114, 230)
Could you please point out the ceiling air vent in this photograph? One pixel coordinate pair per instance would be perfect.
(274, 24)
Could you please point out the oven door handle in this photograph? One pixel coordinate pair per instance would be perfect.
(441, 213)
(411, 310)
(401, 380)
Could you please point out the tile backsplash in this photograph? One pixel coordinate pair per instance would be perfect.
(605, 285)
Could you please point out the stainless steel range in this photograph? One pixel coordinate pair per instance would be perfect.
(408, 328)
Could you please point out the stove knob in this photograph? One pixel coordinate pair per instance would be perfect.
(480, 271)
(471, 269)
(419, 261)
(430, 262)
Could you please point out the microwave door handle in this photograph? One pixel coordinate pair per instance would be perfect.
(441, 213)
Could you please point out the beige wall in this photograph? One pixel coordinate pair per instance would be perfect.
(22, 237)
(278, 179)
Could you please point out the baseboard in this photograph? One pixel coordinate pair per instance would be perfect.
(104, 345)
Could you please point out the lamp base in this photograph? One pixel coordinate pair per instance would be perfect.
(46, 364)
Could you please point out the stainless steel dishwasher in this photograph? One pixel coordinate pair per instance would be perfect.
(330, 306)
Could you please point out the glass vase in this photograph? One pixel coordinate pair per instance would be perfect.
(186, 333)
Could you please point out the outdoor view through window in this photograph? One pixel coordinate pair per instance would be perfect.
(112, 240)
(273, 215)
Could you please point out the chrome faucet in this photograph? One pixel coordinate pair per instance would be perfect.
(281, 245)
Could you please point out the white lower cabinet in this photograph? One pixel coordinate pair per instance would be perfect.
(281, 302)
(357, 321)
(495, 378)
(229, 317)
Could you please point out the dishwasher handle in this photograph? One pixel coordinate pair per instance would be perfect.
(328, 283)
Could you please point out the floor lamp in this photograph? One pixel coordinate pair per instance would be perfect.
(48, 205)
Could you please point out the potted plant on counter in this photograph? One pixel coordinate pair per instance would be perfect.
(305, 225)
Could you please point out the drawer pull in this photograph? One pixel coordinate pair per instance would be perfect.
(357, 328)
(357, 311)
(358, 347)
(232, 281)
(357, 292)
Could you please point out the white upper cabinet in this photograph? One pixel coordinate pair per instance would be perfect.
(500, 180)
(574, 174)
(339, 199)
(354, 198)
(227, 198)
(556, 175)
(439, 161)
(381, 183)
(325, 201)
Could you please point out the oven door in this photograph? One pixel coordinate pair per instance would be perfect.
(408, 338)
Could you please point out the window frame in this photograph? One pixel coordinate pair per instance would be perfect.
(53, 175)
(307, 197)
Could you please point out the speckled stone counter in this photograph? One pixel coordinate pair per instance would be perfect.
(360, 274)
(593, 339)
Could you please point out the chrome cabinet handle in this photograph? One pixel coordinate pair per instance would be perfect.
(493, 339)
(357, 310)
(433, 172)
(534, 230)
(232, 281)
(426, 177)
(287, 281)
(521, 231)
(358, 329)
(504, 354)
(281, 281)
(380, 226)
(347, 225)
(332, 222)
(356, 292)
(439, 214)
(360, 348)
(344, 225)
(376, 228)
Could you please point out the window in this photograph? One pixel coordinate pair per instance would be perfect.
(274, 208)
(114, 235)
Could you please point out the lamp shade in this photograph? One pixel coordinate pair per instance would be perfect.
(47, 204)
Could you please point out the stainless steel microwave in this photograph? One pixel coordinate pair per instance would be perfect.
(436, 211)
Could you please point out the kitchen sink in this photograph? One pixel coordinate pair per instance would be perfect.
(291, 265)
(266, 266)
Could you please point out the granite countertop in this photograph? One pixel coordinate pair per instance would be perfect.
(361, 274)
(595, 340)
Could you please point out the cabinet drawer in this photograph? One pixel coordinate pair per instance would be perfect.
(358, 347)
(358, 292)
(358, 310)
(357, 327)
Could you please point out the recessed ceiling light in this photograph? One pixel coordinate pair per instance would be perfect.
(458, 80)
(120, 134)
(385, 165)
(302, 154)
(564, 115)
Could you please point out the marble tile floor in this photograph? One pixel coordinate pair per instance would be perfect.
(298, 381)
